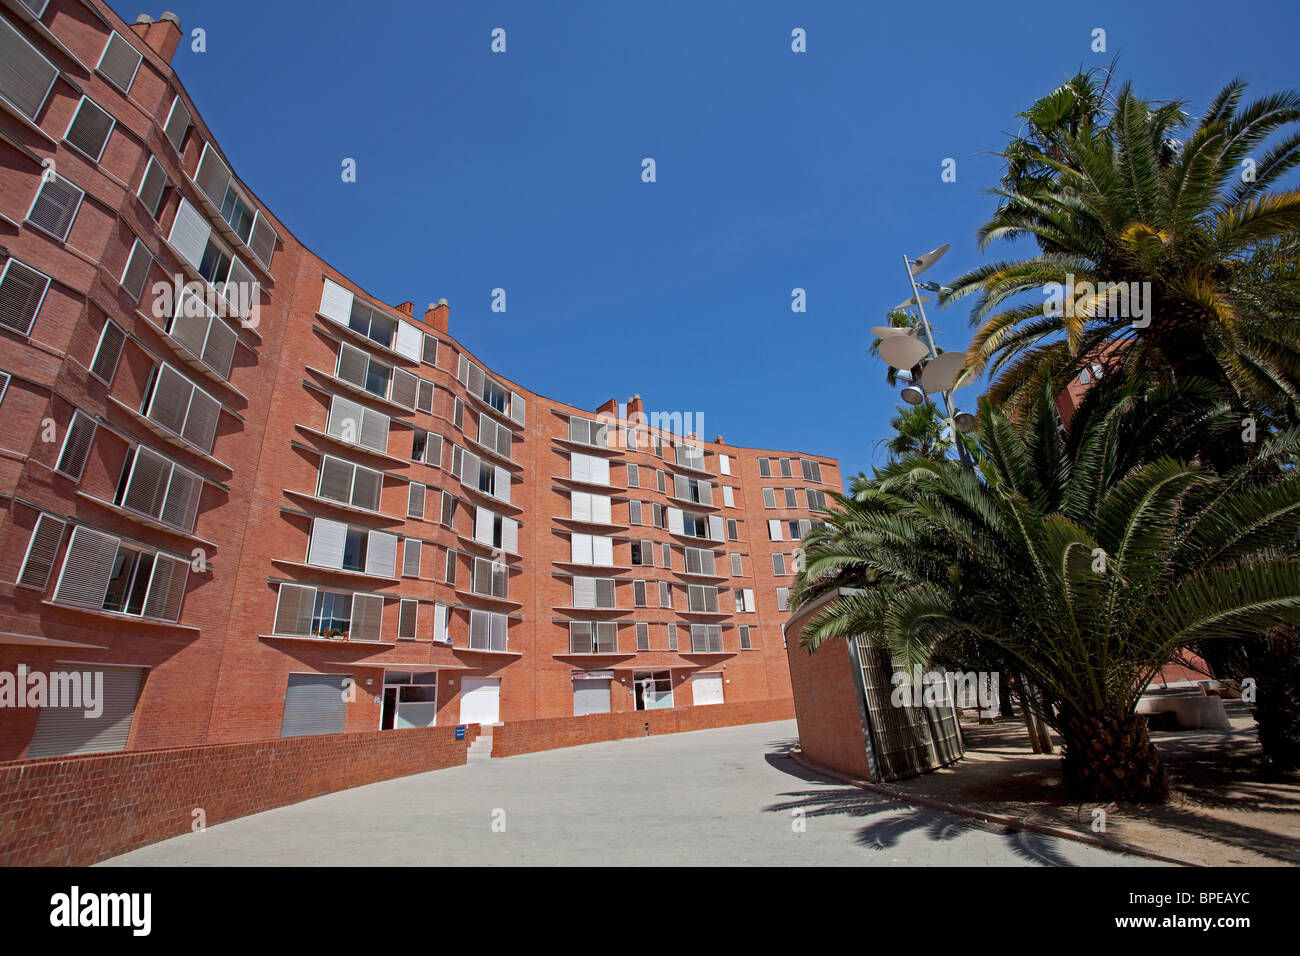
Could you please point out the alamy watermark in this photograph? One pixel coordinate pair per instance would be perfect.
(36, 689)
(1125, 300)
(936, 688)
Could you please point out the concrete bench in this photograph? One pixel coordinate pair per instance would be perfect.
(1192, 711)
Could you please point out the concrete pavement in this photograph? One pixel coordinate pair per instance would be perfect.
(713, 797)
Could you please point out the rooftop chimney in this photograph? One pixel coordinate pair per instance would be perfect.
(719, 440)
(162, 35)
(438, 315)
(609, 408)
(407, 308)
(634, 406)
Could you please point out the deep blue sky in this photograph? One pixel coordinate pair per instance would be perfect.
(775, 170)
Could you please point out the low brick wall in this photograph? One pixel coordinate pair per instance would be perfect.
(529, 736)
(74, 811)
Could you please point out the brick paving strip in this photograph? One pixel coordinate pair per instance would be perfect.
(1226, 811)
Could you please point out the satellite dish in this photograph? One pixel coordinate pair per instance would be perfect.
(903, 351)
(942, 371)
(911, 302)
(929, 259)
(885, 331)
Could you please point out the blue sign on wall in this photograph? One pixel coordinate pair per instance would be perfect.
(460, 732)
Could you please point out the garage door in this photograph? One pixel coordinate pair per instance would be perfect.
(314, 704)
(590, 697)
(480, 700)
(67, 730)
(706, 688)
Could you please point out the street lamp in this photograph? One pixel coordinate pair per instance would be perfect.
(903, 350)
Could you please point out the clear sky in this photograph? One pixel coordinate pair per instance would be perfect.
(775, 170)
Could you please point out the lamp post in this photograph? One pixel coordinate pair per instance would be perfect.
(942, 374)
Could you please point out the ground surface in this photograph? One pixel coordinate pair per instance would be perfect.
(717, 797)
(1226, 808)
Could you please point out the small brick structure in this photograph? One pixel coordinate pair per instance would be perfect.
(74, 811)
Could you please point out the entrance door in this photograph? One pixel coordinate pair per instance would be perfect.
(653, 690)
(590, 697)
(706, 688)
(410, 700)
(480, 700)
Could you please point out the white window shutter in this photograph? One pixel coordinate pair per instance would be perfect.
(716, 530)
(213, 175)
(706, 492)
(602, 551)
(728, 497)
(774, 529)
(518, 407)
(262, 239)
(680, 488)
(579, 550)
(410, 341)
(600, 509)
(510, 535)
(87, 566)
(327, 541)
(381, 554)
(749, 599)
(675, 520)
(483, 525)
(336, 302)
(440, 622)
(178, 123)
(580, 506)
(580, 467)
(503, 484)
(724, 464)
(374, 430)
(584, 592)
(189, 235)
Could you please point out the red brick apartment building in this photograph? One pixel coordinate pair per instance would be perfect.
(231, 513)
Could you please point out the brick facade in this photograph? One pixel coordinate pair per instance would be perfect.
(217, 674)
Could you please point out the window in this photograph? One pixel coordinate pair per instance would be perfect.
(690, 456)
(643, 553)
(359, 368)
(448, 519)
(659, 515)
(426, 447)
(41, 552)
(411, 553)
(202, 333)
(765, 467)
(458, 414)
(429, 352)
(661, 480)
(90, 128)
(101, 572)
(595, 593)
(638, 594)
(774, 530)
(27, 78)
(589, 469)
(728, 496)
(588, 432)
(769, 497)
(181, 407)
(424, 400)
(55, 207)
(665, 594)
(816, 499)
(643, 637)
(494, 435)
(214, 264)
(672, 637)
(119, 62)
(592, 549)
(724, 464)
(76, 445)
(487, 631)
(237, 214)
(407, 616)
(783, 599)
(745, 645)
(336, 615)
(747, 600)
(158, 488)
(733, 529)
(440, 623)
(178, 123)
(812, 470)
(349, 484)
(690, 489)
(415, 501)
(109, 349)
(336, 545)
(634, 512)
(667, 556)
(699, 561)
(490, 578)
(350, 422)
(702, 599)
(451, 567)
(593, 637)
(152, 185)
(706, 638)
(785, 468)
(137, 270)
(633, 476)
(595, 509)
(373, 324)
(778, 565)
(736, 569)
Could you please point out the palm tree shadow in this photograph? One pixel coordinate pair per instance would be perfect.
(890, 820)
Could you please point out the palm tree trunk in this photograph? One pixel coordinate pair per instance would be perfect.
(1109, 758)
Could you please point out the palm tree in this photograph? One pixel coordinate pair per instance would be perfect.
(918, 431)
(1081, 555)
(1110, 193)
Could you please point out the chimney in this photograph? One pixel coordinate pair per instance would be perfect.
(719, 440)
(407, 308)
(609, 408)
(634, 406)
(162, 35)
(438, 315)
